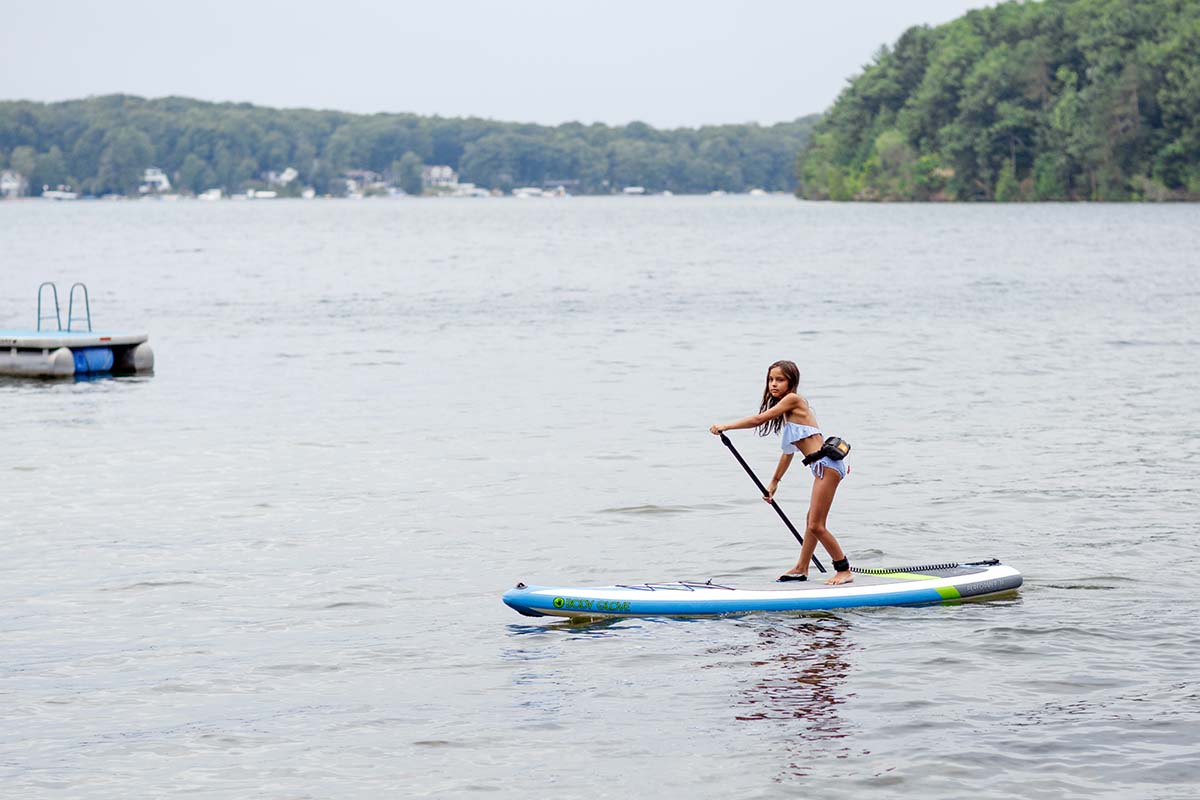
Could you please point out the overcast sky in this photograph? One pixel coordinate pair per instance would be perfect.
(663, 62)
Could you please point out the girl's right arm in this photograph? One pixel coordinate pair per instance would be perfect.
(782, 407)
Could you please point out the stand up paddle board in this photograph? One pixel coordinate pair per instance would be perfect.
(893, 586)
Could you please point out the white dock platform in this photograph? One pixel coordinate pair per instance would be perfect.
(62, 354)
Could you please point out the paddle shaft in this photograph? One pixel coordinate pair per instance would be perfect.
(763, 489)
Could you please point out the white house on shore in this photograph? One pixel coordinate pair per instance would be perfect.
(154, 181)
(282, 178)
(12, 184)
(363, 181)
(438, 176)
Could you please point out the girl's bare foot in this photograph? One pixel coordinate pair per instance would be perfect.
(844, 576)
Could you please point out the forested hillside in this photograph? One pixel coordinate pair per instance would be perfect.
(1054, 100)
(102, 145)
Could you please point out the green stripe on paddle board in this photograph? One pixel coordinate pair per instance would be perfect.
(906, 576)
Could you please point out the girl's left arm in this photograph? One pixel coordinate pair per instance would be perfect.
(785, 461)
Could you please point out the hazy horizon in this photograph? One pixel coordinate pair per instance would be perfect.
(668, 64)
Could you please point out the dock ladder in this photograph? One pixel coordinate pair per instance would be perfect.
(87, 307)
(57, 317)
(71, 318)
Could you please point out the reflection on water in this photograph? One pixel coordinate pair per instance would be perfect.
(798, 675)
(803, 670)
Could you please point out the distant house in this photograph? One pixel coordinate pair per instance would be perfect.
(154, 181)
(361, 177)
(438, 177)
(12, 184)
(359, 181)
(282, 178)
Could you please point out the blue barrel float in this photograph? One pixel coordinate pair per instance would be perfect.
(93, 359)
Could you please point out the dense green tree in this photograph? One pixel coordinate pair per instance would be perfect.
(127, 153)
(1007, 188)
(195, 175)
(49, 171)
(23, 159)
(274, 152)
(324, 180)
(488, 162)
(407, 173)
(1054, 100)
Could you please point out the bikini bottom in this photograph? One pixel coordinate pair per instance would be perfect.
(840, 467)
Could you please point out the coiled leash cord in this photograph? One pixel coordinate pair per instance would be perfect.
(991, 562)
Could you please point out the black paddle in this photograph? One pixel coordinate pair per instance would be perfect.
(763, 489)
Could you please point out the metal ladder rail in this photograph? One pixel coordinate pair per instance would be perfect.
(57, 314)
(87, 307)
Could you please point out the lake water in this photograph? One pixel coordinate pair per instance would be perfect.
(274, 568)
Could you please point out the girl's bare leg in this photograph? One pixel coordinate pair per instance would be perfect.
(818, 511)
(806, 551)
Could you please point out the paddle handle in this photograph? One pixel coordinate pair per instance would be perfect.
(725, 441)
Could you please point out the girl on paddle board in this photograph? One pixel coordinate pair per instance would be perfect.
(785, 412)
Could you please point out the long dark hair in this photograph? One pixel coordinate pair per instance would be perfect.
(792, 373)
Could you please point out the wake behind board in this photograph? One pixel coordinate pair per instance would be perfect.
(894, 586)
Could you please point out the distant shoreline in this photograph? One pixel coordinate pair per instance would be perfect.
(120, 144)
(258, 197)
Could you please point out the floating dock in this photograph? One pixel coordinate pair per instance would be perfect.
(58, 353)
